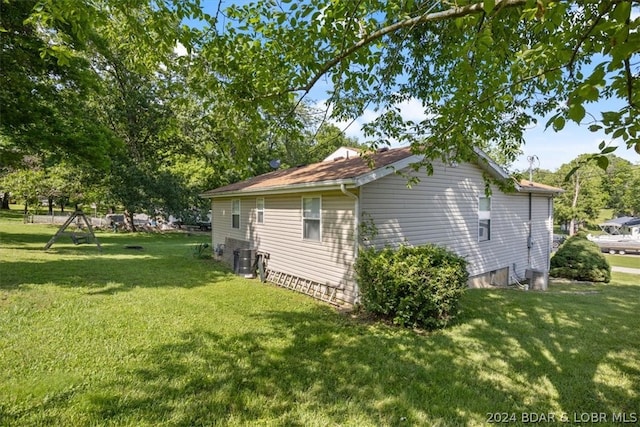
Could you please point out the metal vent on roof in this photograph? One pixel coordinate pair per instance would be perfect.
(275, 163)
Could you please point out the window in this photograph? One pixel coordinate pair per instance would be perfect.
(311, 218)
(484, 219)
(260, 210)
(235, 213)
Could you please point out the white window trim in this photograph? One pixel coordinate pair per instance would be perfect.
(302, 218)
(484, 216)
(234, 213)
(259, 210)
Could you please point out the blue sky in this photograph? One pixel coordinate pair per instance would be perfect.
(555, 148)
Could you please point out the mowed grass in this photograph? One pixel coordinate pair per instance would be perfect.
(157, 337)
(631, 260)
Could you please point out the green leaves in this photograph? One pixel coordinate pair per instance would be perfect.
(488, 5)
(621, 12)
(580, 259)
(557, 122)
(576, 112)
(603, 161)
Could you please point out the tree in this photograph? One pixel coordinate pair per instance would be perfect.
(482, 70)
(66, 183)
(583, 197)
(616, 183)
(25, 185)
(329, 138)
(136, 109)
(631, 197)
(316, 138)
(44, 100)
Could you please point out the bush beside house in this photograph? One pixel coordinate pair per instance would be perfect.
(580, 259)
(412, 286)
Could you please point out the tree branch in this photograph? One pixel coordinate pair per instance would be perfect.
(587, 34)
(455, 12)
(627, 69)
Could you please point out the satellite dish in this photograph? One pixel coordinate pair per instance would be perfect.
(275, 163)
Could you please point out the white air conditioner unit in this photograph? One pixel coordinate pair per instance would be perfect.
(538, 280)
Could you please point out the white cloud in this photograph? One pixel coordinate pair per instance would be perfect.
(180, 50)
(410, 109)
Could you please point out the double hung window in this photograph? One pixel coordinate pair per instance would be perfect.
(235, 213)
(260, 210)
(484, 219)
(311, 221)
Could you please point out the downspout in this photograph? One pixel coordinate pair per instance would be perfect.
(213, 237)
(550, 221)
(530, 236)
(356, 233)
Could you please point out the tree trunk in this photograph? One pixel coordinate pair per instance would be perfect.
(5, 201)
(128, 221)
(574, 204)
(50, 205)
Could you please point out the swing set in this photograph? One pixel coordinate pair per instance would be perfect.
(76, 237)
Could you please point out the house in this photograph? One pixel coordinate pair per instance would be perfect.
(343, 153)
(311, 219)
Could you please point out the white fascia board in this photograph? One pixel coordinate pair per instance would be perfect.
(288, 189)
(493, 168)
(376, 174)
(525, 189)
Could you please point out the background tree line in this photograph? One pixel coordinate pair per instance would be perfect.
(111, 114)
(590, 188)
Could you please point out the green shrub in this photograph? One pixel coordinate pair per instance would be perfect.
(412, 286)
(202, 251)
(580, 259)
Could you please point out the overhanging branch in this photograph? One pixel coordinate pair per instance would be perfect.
(455, 12)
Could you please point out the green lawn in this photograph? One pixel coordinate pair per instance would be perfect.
(157, 337)
(631, 261)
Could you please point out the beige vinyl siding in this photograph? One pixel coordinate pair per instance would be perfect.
(542, 214)
(443, 209)
(221, 220)
(328, 261)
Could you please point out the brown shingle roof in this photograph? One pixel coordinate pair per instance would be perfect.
(317, 173)
(339, 172)
(526, 184)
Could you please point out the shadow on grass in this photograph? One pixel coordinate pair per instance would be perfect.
(164, 260)
(23, 240)
(316, 368)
